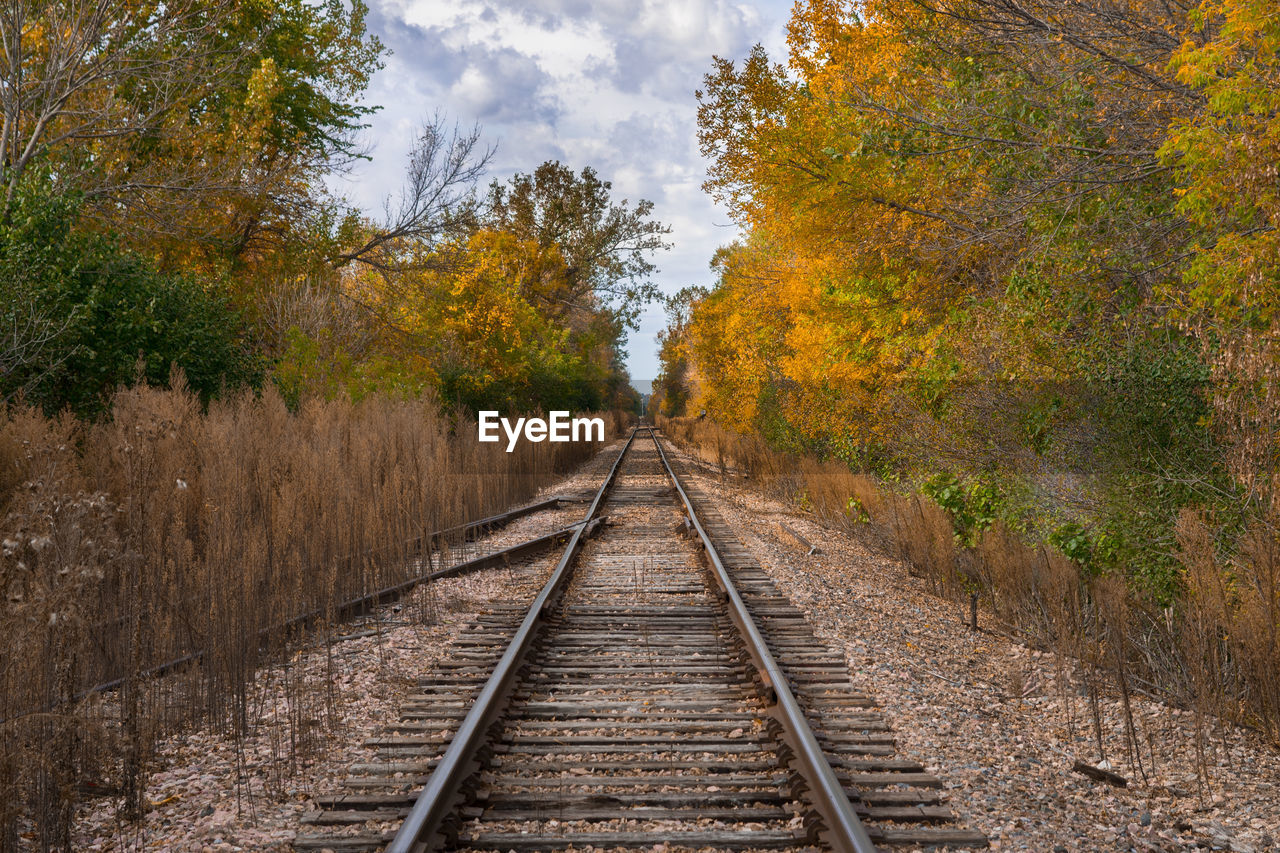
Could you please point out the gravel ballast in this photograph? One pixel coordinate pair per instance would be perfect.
(988, 714)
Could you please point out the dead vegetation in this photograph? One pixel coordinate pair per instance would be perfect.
(1214, 651)
(170, 532)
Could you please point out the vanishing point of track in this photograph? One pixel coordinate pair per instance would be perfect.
(659, 690)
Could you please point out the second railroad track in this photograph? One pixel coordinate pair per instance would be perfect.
(659, 690)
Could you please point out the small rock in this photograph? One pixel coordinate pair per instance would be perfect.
(1145, 819)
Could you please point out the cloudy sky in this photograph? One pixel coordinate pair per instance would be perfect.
(601, 83)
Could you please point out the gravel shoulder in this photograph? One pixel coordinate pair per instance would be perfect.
(1001, 723)
(209, 792)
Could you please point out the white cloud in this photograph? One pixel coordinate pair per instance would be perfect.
(604, 83)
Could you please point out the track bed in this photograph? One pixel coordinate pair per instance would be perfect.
(639, 712)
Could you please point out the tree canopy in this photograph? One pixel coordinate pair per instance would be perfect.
(165, 204)
(1024, 243)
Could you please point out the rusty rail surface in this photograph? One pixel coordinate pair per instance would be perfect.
(659, 688)
(843, 831)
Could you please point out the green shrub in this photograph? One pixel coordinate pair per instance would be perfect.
(95, 317)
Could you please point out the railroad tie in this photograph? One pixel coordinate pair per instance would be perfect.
(634, 707)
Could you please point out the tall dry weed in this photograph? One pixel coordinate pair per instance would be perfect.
(1229, 625)
(1217, 650)
(168, 532)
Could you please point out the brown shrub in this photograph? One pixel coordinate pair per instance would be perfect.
(168, 531)
(1216, 650)
(1230, 624)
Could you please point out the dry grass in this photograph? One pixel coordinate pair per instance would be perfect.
(1233, 609)
(167, 531)
(1216, 651)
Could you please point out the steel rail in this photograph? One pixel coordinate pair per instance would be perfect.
(425, 546)
(358, 606)
(421, 829)
(842, 829)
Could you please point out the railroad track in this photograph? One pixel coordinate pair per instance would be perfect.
(659, 690)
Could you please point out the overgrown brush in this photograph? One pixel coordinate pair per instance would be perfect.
(1215, 650)
(169, 530)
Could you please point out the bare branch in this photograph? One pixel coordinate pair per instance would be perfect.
(88, 70)
(438, 198)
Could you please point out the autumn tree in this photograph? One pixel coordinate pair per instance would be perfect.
(516, 300)
(1226, 158)
(191, 127)
(671, 388)
(968, 230)
(606, 244)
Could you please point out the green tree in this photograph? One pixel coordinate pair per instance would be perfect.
(108, 317)
(196, 130)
